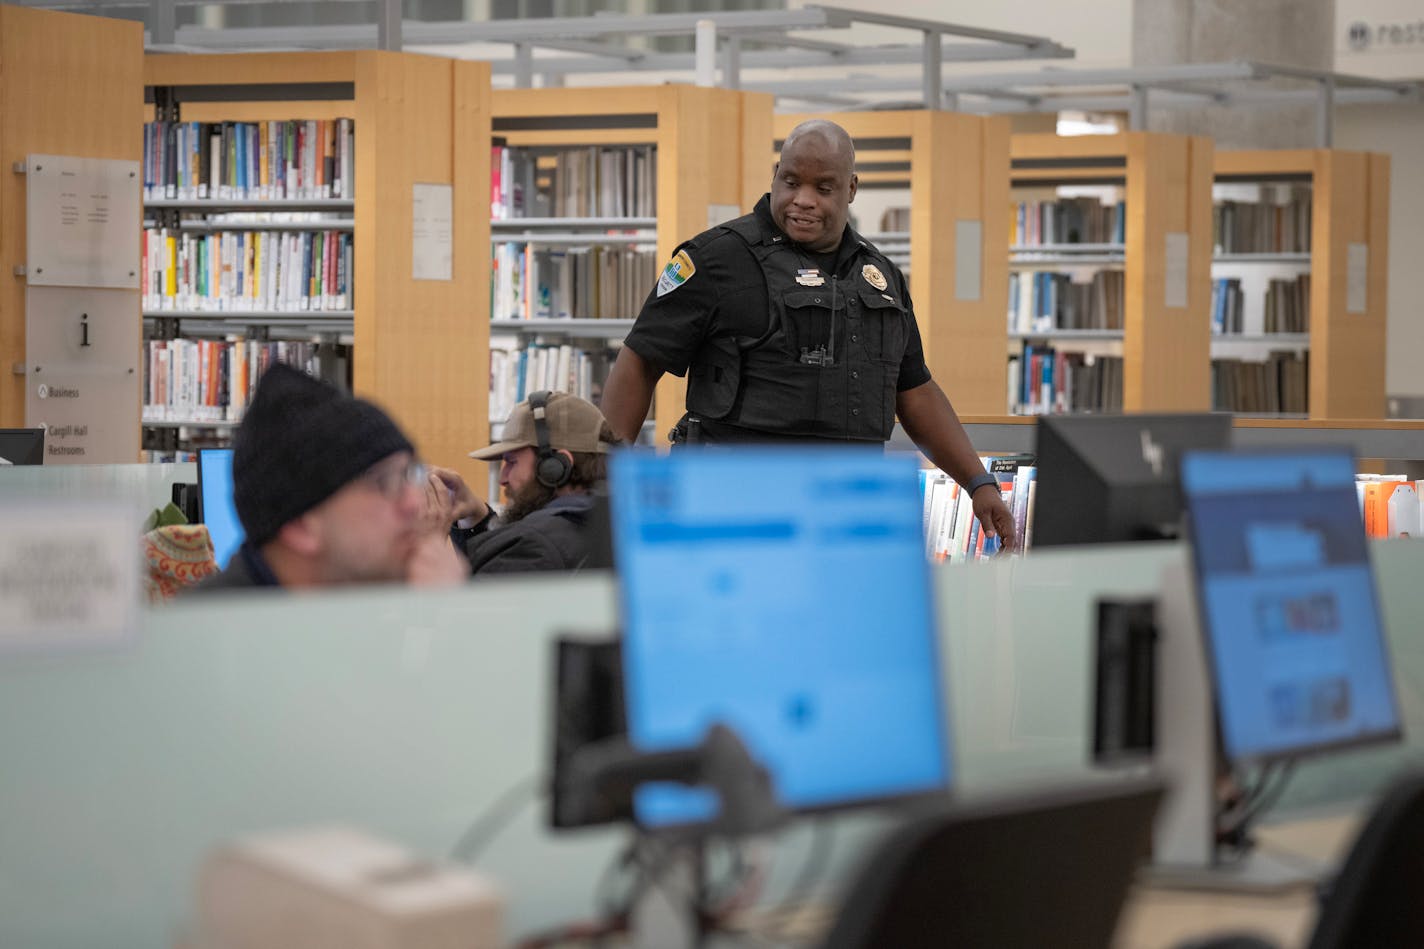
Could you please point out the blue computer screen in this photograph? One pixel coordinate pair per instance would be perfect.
(783, 592)
(215, 498)
(1288, 603)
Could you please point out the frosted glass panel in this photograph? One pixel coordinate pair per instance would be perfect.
(408, 714)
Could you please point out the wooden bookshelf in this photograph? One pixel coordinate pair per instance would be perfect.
(711, 152)
(1166, 182)
(419, 348)
(1349, 206)
(70, 87)
(955, 169)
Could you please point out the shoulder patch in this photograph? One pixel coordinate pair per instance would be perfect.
(678, 271)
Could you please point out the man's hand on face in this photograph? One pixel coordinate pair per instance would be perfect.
(462, 502)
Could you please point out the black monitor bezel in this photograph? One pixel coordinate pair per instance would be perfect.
(38, 437)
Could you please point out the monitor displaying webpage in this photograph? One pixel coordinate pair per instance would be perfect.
(783, 592)
(1288, 603)
(215, 496)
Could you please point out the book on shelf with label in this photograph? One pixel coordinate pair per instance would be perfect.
(1066, 288)
(1108, 258)
(1300, 239)
(250, 257)
(1261, 235)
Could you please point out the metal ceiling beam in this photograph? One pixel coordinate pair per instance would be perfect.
(891, 55)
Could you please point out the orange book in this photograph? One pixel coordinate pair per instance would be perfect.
(1377, 508)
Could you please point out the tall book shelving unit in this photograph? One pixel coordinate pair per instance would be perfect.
(711, 148)
(69, 88)
(1165, 255)
(418, 349)
(955, 168)
(1347, 260)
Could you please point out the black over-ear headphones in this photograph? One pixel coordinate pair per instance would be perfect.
(551, 469)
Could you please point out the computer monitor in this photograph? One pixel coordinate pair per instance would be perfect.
(215, 504)
(1050, 871)
(1113, 478)
(783, 592)
(21, 446)
(1286, 595)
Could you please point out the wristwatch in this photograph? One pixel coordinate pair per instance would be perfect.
(980, 481)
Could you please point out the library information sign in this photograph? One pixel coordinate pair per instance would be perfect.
(82, 308)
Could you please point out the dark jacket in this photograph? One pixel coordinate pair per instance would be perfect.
(246, 570)
(555, 537)
(782, 342)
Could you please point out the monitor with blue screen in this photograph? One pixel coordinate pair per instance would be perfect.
(784, 592)
(1287, 601)
(215, 507)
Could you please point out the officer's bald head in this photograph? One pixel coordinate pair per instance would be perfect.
(814, 184)
(823, 138)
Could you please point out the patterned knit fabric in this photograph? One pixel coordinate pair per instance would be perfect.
(177, 556)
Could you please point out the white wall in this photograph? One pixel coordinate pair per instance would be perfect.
(1399, 132)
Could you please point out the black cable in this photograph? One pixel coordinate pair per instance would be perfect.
(496, 817)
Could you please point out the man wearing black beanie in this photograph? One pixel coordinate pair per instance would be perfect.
(328, 492)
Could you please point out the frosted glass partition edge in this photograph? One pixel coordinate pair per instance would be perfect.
(145, 486)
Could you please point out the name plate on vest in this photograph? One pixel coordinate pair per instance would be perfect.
(69, 574)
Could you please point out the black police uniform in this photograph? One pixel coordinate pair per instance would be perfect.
(780, 342)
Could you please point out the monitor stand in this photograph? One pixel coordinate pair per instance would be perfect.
(1184, 851)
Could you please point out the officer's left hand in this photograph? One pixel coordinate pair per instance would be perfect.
(995, 517)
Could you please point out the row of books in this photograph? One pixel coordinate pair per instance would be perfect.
(1391, 505)
(514, 373)
(1268, 227)
(1288, 305)
(267, 160)
(952, 533)
(212, 380)
(1040, 301)
(592, 181)
(236, 271)
(533, 282)
(1068, 221)
(1280, 384)
(1046, 381)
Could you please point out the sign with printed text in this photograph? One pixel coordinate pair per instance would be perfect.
(69, 574)
(81, 222)
(82, 373)
(432, 232)
(1380, 38)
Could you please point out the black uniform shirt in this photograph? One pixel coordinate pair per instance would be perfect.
(726, 295)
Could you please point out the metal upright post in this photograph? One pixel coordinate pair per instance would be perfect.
(1325, 113)
(1137, 109)
(523, 65)
(732, 63)
(933, 72)
(388, 25)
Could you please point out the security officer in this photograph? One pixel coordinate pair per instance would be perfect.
(792, 327)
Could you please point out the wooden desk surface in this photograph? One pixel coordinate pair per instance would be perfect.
(1158, 918)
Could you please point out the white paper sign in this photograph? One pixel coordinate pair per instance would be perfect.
(69, 574)
(968, 259)
(1178, 256)
(432, 232)
(1357, 277)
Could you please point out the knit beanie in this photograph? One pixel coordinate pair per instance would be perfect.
(300, 442)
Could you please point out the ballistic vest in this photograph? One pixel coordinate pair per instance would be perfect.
(828, 363)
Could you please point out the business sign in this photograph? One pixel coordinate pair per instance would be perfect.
(1380, 38)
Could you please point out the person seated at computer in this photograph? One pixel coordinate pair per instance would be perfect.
(328, 492)
(553, 464)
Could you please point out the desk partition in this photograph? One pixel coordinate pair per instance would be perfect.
(410, 713)
(144, 486)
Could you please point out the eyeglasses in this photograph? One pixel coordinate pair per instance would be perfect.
(391, 480)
